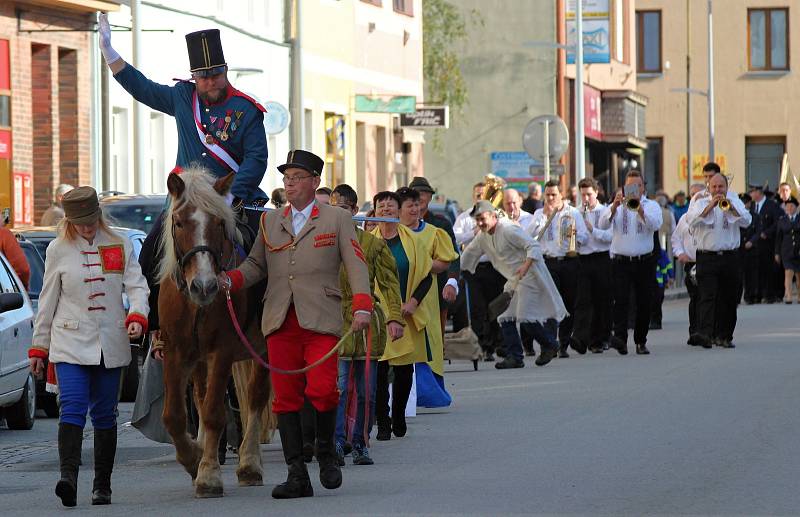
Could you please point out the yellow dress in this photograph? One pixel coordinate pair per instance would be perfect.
(421, 248)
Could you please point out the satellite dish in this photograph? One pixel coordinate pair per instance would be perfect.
(276, 119)
(533, 138)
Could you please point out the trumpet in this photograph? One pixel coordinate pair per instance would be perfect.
(724, 205)
(632, 203)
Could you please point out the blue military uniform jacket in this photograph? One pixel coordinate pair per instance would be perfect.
(246, 139)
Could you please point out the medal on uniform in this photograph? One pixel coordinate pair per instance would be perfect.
(219, 134)
(224, 135)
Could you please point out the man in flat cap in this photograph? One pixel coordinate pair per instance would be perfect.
(302, 247)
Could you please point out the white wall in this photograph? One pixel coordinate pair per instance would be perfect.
(164, 58)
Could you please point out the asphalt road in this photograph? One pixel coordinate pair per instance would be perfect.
(682, 431)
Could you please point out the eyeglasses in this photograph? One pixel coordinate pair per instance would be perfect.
(293, 180)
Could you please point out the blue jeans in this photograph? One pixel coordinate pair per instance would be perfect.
(92, 388)
(359, 430)
(545, 334)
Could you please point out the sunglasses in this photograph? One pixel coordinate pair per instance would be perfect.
(209, 72)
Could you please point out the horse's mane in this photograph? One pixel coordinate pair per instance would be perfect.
(199, 193)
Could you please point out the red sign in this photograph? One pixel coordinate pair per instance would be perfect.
(5, 144)
(591, 113)
(23, 198)
(5, 69)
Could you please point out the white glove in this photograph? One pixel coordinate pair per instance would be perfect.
(104, 30)
(452, 282)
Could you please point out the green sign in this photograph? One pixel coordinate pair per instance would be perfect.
(397, 104)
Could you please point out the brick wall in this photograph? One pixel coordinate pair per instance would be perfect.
(69, 83)
(42, 128)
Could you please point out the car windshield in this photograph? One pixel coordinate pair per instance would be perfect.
(37, 269)
(138, 216)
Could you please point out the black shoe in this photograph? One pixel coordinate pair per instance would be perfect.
(654, 325)
(577, 345)
(641, 349)
(691, 341)
(70, 442)
(547, 355)
(619, 345)
(562, 351)
(726, 344)
(330, 474)
(500, 352)
(399, 428)
(384, 434)
(297, 483)
(596, 349)
(509, 363)
(701, 340)
(105, 448)
(488, 357)
(384, 426)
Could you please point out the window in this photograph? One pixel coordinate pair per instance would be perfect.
(7, 283)
(648, 41)
(654, 164)
(404, 6)
(768, 39)
(763, 156)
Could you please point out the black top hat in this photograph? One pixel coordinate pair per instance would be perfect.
(205, 51)
(304, 160)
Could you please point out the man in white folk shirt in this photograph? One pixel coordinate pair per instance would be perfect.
(633, 264)
(535, 304)
(685, 251)
(716, 227)
(563, 265)
(593, 309)
(484, 285)
(512, 206)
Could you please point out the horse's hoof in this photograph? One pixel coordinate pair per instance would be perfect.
(206, 491)
(249, 477)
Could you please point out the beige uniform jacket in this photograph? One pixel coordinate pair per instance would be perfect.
(81, 313)
(304, 269)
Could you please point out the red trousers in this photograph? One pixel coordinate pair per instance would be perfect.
(291, 348)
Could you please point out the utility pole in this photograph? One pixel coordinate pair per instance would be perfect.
(689, 161)
(580, 139)
(711, 128)
(139, 185)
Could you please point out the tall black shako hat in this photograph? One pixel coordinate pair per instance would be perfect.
(205, 53)
(304, 160)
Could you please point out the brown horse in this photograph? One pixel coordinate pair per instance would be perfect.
(201, 343)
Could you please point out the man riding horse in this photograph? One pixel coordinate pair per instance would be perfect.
(219, 128)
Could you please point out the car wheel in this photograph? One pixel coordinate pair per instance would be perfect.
(130, 379)
(21, 415)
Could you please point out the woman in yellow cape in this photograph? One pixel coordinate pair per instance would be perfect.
(418, 254)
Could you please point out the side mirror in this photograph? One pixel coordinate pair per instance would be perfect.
(10, 301)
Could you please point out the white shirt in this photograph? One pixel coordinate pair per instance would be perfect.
(633, 236)
(719, 230)
(525, 220)
(555, 241)
(598, 240)
(683, 241)
(464, 229)
(301, 217)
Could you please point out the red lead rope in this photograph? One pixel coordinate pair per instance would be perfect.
(261, 361)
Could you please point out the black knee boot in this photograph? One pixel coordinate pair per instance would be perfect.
(297, 483)
(105, 448)
(70, 440)
(308, 420)
(330, 474)
(401, 388)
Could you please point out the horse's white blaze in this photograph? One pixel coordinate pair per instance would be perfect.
(204, 265)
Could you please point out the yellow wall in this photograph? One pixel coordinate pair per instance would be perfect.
(747, 103)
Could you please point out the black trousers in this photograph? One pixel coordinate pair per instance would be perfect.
(565, 273)
(750, 275)
(592, 322)
(635, 274)
(768, 286)
(691, 288)
(485, 285)
(403, 378)
(717, 287)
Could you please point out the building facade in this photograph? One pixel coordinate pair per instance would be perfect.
(253, 40)
(361, 59)
(511, 77)
(46, 135)
(757, 117)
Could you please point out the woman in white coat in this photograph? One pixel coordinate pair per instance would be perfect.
(82, 328)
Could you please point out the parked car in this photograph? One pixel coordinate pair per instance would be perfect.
(17, 382)
(138, 211)
(40, 237)
(448, 210)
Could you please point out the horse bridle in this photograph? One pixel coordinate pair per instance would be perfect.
(184, 258)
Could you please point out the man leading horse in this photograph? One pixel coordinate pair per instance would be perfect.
(301, 249)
